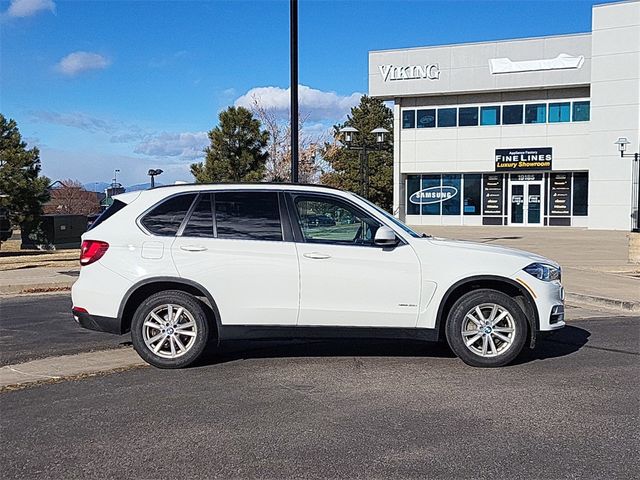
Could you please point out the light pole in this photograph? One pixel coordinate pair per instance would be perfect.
(152, 173)
(622, 143)
(349, 134)
(293, 10)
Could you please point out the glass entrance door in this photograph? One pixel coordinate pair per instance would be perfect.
(525, 203)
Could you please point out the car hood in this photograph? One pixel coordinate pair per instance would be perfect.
(460, 248)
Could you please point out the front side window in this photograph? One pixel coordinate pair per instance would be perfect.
(248, 216)
(409, 119)
(559, 112)
(200, 223)
(427, 118)
(324, 220)
(447, 117)
(581, 111)
(511, 114)
(165, 219)
(468, 117)
(536, 113)
(490, 115)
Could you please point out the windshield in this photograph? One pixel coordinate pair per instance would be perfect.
(391, 218)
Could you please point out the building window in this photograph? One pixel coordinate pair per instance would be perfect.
(511, 114)
(536, 113)
(427, 118)
(447, 117)
(490, 115)
(408, 119)
(468, 117)
(413, 185)
(581, 111)
(429, 181)
(471, 196)
(559, 112)
(451, 206)
(580, 193)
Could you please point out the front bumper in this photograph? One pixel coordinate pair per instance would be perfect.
(96, 322)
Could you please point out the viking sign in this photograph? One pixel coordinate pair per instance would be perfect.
(430, 195)
(409, 72)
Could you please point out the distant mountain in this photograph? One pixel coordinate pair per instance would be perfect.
(102, 186)
(141, 186)
(96, 186)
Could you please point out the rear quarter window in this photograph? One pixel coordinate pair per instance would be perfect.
(165, 218)
(114, 208)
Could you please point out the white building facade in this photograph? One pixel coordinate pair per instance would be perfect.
(518, 132)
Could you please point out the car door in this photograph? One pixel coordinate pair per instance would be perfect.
(236, 245)
(345, 280)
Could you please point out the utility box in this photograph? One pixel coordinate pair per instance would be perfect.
(56, 231)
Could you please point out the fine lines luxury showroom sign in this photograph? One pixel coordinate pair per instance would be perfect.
(523, 159)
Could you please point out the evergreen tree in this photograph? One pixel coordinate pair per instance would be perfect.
(22, 190)
(237, 152)
(344, 170)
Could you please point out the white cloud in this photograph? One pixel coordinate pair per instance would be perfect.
(186, 145)
(26, 8)
(314, 104)
(78, 120)
(79, 62)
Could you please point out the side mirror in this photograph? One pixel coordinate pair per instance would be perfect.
(385, 237)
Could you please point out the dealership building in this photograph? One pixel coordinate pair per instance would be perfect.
(518, 132)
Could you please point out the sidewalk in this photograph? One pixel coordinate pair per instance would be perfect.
(594, 262)
(37, 279)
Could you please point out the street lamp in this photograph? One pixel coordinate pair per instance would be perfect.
(622, 143)
(349, 135)
(152, 173)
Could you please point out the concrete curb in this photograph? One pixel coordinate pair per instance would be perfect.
(36, 288)
(580, 299)
(53, 369)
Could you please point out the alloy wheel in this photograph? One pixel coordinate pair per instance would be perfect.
(488, 330)
(169, 331)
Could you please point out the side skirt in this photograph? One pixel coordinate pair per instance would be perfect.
(261, 332)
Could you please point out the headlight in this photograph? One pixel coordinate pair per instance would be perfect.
(543, 272)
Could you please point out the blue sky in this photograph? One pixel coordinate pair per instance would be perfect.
(99, 85)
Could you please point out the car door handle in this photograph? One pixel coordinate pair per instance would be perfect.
(317, 255)
(193, 248)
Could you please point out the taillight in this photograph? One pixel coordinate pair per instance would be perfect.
(92, 251)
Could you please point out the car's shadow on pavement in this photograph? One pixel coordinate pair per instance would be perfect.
(563, 342)
(558, 344)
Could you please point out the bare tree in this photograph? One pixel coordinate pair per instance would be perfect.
(278, 164)
(71, 198)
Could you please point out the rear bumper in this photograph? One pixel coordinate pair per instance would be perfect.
(98, 323)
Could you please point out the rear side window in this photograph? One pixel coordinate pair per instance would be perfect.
(114, 208)
(248, 216)
(165, 219)
(200, 223)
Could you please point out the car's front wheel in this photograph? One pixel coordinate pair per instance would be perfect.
(486, 328)
(170, 329)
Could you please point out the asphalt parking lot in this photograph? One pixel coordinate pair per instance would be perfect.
(344, 410)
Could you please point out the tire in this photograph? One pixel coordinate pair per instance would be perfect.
(493, 337)
(178, 343)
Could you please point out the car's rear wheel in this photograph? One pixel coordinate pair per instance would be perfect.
(170, 329)
(486, 328)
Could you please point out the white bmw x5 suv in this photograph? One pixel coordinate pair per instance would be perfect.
(185, 266)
